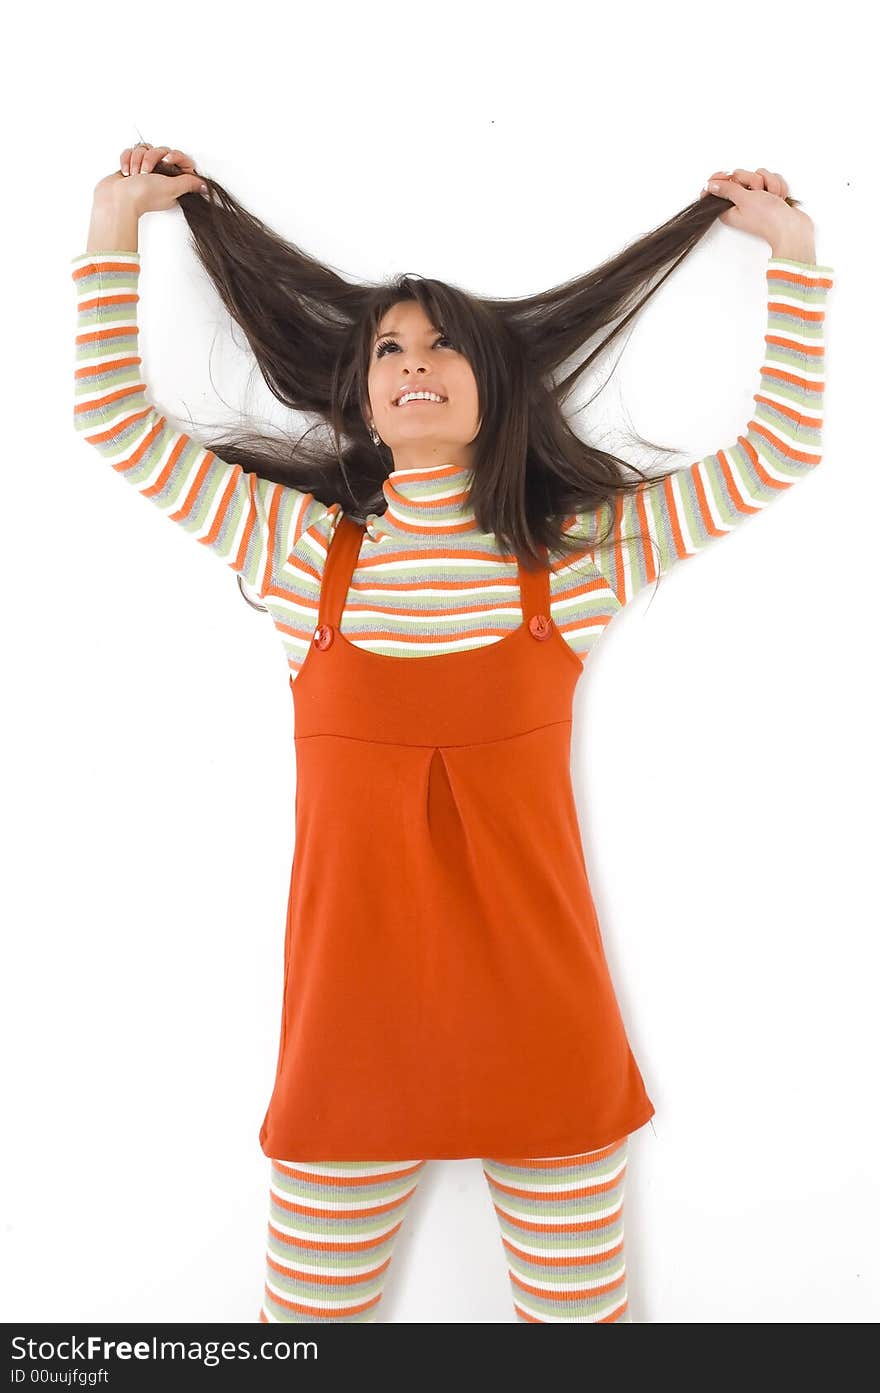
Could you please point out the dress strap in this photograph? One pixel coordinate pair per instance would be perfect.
(342, 557)
(534, 589)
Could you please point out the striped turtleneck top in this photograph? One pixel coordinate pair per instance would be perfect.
(427, 580)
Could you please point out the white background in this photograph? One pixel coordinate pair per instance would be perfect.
(725, 755)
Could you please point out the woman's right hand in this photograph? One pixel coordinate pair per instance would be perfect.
(141, 189)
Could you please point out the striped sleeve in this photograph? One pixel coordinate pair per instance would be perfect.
(668, 520)
(251, 523)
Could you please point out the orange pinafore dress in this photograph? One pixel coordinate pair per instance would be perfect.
(446, 991)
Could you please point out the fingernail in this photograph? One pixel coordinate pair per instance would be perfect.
(713, 185)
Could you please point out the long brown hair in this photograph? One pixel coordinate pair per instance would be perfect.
(311, 332)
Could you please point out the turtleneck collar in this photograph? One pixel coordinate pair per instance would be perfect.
(429, 502)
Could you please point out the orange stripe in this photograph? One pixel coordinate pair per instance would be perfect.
(675, 529)
(615, 533)
(321, 1211)
(595, 621)
(574, 591)
(315, 531)
(186, 507)
(346, 1245)
(777, 273)
(615, 1314)
(333, 1313)
(454, 500)
(803, 384)
(114, 332)
(90, 267)
(570, 1260)
(589, 621)
(559, 1162)
(647, 551)
(328, 1279)
(333, 510)
(117, 430)
(570, 1226)
(269, 563)
(802, 456)
(740, 502)
(204, 469)
(284, 591)
(299, 564)
(304, 568)
(703, 503)
(351, 609)
(599, 1188)
(795, 416)
(145, 445)
(383, 587)
(440, 471)
(550, 1294)
(106, 365)
(374, 1178)
(123, 298)
(386, 635)
(780, 307)
(813, 350)
(119, 395)
(444, 554)
(437, 529)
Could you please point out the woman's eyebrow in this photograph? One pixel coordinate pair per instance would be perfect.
(384, 333)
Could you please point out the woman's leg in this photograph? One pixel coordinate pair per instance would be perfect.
(561, 1220)
(332, 1226)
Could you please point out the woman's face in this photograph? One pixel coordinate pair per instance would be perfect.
(409, 354)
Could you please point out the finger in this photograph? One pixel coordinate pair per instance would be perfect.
(779, 185)
(749, 178)
(152, 157)
(136, 156)
(742, 177)
(189, 183)
(184, 162)
(726, 188)
(772, 182)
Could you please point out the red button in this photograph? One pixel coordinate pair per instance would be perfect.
(323, 636)
(540, 626)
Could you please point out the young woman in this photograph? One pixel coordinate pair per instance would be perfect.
(438, 572)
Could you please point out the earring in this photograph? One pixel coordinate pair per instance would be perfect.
(374, 436)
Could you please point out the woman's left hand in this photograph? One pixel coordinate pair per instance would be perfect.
(759, 207)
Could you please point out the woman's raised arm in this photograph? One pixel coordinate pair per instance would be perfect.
(668, 520)
(250, 523)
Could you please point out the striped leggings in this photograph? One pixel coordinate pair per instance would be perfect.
(332, 1227)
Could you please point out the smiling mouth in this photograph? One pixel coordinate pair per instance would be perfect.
(422, 401)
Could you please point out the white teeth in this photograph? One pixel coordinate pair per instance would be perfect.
(418, 396)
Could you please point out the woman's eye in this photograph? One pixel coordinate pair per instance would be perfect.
(390, 343)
